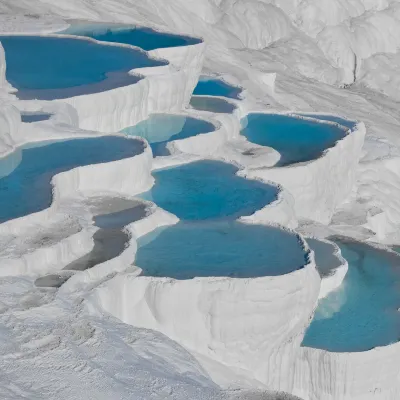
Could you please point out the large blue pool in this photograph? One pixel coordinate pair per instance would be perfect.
(233, 249)
(55, 67)
(208, 190)
(145, 38)
(159, 129)
(210, 86)
(363, 312)
(27, 189)
(296, 139)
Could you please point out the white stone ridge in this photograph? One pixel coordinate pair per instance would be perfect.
(332, 277)
(279, 212)
(227, 128)
(255, 325)
(321, 185)
(10, 123)
(373, 374)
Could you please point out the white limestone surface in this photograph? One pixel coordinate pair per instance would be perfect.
(255, 325)
(227, 128)
(368, 375)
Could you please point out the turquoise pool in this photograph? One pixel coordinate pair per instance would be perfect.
(212, 104)
(208, 190)
(228, 248)
(297, 140)
(25, 187)
(159, 129)
(363, 312)
(47, 68)
(210, 86)
(145, 38)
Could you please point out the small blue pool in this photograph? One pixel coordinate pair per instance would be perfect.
(54, 67)
(296, 139)
(27, 188)
(209, 86)
(145, 38)
(212, 104)
(208, 190)
(363, 312)
(159, 129)
(232, 249)
(29, 117)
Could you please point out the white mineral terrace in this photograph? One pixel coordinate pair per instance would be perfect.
(82, 318)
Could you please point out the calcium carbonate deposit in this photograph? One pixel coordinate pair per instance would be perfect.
(200, 199)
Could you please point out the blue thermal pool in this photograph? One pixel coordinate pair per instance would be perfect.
(296, 139)
(363, 312)
(27, 188)
(159, 129)
(208, 190)
(333, 118)
(54, 67)
(233, 249)
(209, 86)
(212, 104)
(145, 38)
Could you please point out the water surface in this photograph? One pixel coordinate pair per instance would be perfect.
(41, 67)
(212, 104)
(29, 117)
(231, 249)
(27, 189)
(363, 312)
(208, 190)
(296, 139)
(145, 38)
(210, 86)
(159, 129)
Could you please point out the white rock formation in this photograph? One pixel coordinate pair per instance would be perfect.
(253, 325)
(280, 51)
(372, 374)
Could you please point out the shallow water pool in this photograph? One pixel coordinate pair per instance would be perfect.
(210, 86)
(29, 117)
(212, 104)
(41, 67)
(208, 190)
(27, 189)
(159, 129)
(296, 139)
(363, 312)
(233, 249)
(145, 38)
